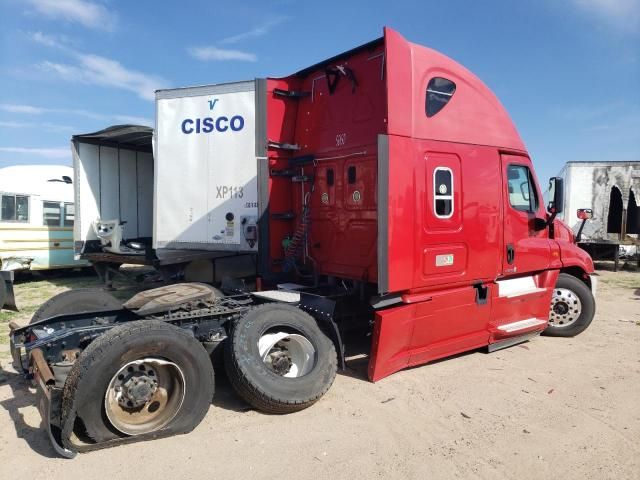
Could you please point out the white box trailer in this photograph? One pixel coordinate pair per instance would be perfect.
(206, 195)
(187, 192)
(114, 176)
(609, 189)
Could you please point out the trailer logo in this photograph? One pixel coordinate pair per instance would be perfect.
(210, 124)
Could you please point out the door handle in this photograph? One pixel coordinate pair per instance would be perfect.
(511, 253)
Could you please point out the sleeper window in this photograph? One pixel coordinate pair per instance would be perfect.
(522, 190)
(443, 192)
(439, 92)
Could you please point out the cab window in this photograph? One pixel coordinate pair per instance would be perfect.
(522, 189)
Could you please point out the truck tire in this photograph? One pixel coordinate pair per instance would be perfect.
(572, 307)
(139, 378)
(278, 359)
(76, 301)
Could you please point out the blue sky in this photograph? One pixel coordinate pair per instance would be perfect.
(567, 71)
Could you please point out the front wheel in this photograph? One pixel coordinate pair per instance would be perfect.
(572, 307)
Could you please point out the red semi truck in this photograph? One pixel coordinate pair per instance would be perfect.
(396, 199)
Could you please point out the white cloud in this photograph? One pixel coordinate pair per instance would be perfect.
(43, 39)
(97, 70)
(53, 41)
(16, 124)
(218, 54)
(256, 32)
(42, 152)
(51, 127)
(89, 14)
(623, 14)
(134, 120)
(29, 109)
(214, 53)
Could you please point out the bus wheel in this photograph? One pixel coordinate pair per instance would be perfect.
(139, 378)
(278, 359)
(572, 307)
(76, 301)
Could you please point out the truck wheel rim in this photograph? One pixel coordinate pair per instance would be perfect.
(144, 395)
(566, 308)
(289, 355)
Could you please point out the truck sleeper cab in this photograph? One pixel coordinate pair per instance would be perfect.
(418, 186)
(395, 198)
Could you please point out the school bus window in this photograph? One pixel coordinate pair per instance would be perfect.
(15, 208)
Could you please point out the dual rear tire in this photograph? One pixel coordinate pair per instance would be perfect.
(150, 378)
(139, 378)
(278, 360)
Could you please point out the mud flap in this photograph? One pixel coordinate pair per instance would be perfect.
(49, 400)
(7, 296)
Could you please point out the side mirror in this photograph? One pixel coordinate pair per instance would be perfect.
(556, 195)
(585, 214)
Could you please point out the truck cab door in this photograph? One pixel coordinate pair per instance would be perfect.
(526, 240)
(522, 294)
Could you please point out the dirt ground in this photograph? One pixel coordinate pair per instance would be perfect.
(550, 408)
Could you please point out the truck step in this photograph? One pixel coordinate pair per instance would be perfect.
(283, 146)
(283, 216)
(278, 295)
(283, 173)
(508, 342)
(521, 325)
(279, 92)
(302, 178)
(302, 160)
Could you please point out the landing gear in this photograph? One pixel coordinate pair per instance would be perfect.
(572, 307)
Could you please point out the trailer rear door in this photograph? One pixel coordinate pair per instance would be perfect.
(205, 192)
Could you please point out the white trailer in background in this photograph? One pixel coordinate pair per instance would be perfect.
(611, 190)
(188, 194)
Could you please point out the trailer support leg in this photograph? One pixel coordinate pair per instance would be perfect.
(616, 258)
(106, 272)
